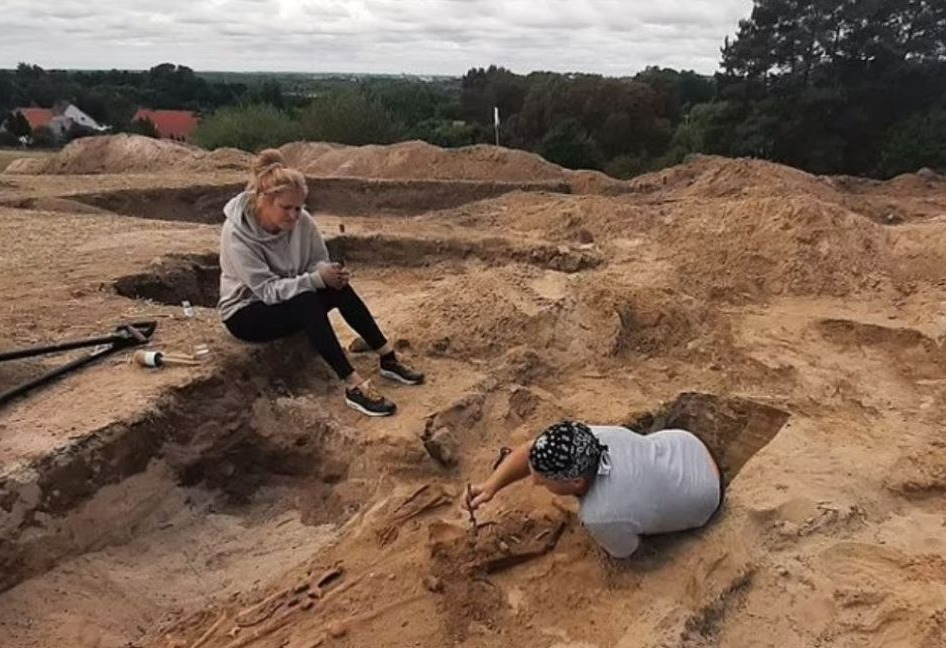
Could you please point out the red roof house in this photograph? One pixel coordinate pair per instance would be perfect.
(171, 124)
(37, 117)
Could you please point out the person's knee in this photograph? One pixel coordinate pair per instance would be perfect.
(308, 307)
(348, 294)
(306, 299)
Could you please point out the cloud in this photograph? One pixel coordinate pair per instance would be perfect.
(415, 36)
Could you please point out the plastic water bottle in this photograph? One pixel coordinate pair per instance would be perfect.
(200, 350)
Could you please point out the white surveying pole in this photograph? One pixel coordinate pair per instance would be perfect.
(496, 123)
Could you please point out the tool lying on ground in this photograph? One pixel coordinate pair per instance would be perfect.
(161, 359)
(125, 336)
(503, 453)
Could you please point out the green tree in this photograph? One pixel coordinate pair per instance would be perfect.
(706, 128)
(348, 116)
(17, 125)
(451, 134)
(916, 142)
(267, 92)
(569, 145)
(408, 103)
(820, 83)
(484, 89)
(250, 128)
(43, 137)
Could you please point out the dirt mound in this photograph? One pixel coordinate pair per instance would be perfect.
(125, 153)
(304, 154)
(417, 160)
(26, 166)
(420, 160)
(706, 176)
(224, 158)
(568, 219)
(119, 154)
(910, 184)
(773, 246)
(904, 199)
(922, 356)
(489, 311)
(741, 249)
(595, 182)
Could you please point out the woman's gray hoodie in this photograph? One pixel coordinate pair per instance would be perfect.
(256, 265)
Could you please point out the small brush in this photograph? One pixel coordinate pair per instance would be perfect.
(473, 524)
(341, 256)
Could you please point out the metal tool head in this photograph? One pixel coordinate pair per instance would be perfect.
(136, 333)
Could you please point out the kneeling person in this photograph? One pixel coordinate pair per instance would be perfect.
(628, 484)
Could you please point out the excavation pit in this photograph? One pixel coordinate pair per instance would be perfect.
(734, 429)
(340, 196)
(173, 507)
(196, 277)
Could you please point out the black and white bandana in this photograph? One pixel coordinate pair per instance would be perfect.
(566, 450)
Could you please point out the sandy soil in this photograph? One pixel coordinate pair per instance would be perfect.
(239, 503)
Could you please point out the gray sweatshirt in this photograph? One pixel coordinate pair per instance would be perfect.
(256, 265)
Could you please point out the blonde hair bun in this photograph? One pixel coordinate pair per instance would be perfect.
(266, 159)
(271, 175)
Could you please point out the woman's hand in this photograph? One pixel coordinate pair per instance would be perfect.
(335, 275)
(478, 494)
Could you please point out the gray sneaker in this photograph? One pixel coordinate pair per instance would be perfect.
(401, 372)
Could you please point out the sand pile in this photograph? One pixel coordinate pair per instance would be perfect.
(737, 249)
(304, 154)
(223, 159)
(910, 197)
(413, 160)
(772, 246)
(125, 153)
(911, 184)
(706, 176)
(595, 182)
(26, 166)
(486, 313)
(417, 160)
(556, 217)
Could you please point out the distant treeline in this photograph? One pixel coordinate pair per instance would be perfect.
(581, 121)
(848, 87)
(113, 97)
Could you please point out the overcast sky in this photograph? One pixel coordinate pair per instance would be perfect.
(616, 37)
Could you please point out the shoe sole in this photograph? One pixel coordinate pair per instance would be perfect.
(390, 375)
(367, 412)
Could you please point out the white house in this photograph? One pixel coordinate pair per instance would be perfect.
(76, 116)
(60, 118)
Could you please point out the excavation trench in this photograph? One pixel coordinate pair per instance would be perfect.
(176, 505)
(341, 196)
(196, 277)
(734, 429)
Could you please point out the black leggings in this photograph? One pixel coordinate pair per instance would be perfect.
(308, 312)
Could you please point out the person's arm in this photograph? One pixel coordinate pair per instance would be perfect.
(254, 273)
(324, 271)
(619, 539)
(513, 468)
